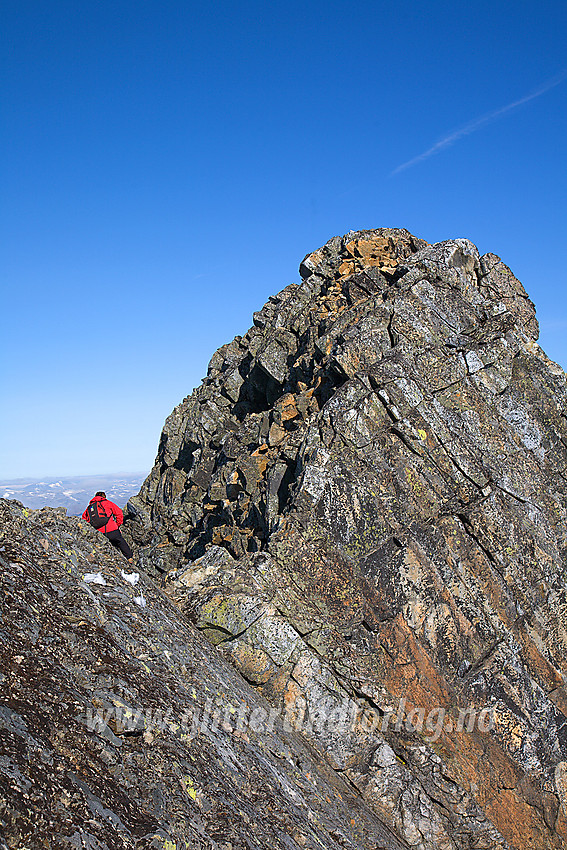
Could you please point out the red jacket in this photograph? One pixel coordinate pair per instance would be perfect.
(109, 508)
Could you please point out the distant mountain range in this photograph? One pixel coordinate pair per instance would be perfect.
(74, 493)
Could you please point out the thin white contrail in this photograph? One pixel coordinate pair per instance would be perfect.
(480, 122)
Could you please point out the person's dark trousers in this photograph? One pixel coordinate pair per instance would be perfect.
(117, 540)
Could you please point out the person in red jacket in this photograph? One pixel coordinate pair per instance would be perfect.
(115, 519)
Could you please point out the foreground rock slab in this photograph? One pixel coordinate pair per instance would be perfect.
(121, 726)
(364, 508)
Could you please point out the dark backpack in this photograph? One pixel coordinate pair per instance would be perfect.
(97, 516)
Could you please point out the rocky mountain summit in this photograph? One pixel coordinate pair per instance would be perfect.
(363, 507)
(347, 624)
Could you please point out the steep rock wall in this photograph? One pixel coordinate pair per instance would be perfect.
(364, 507)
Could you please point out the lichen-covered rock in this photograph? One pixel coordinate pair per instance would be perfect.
(122, 728)
(382, 458)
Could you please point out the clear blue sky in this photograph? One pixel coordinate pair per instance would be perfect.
(166, 165)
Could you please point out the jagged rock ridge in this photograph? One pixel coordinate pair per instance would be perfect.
(228, 453)
(365, 504)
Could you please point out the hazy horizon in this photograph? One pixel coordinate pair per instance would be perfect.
(68, 476)
(72, 492)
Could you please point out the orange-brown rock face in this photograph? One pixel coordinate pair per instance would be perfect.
(364, 508)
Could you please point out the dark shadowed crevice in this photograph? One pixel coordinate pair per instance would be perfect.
(284, 490)
(331, 381)
(257, 394)
(185, 459)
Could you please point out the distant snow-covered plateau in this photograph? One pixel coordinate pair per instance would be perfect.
(74, 493)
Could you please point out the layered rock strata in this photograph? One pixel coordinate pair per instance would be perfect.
(121, 728)
(364, 508)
